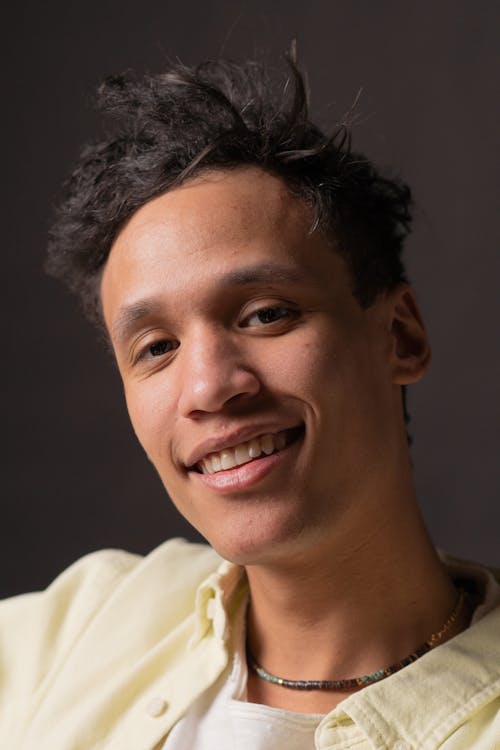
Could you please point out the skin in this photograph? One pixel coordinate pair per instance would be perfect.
(214, 345)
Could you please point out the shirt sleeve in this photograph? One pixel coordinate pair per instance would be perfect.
(37, 630)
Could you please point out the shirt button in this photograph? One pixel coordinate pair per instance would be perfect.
(401, 745)
(156, 707)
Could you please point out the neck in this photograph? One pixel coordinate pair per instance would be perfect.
(347, 609)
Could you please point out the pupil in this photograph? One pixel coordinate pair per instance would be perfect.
(161, 347)
(267, 316)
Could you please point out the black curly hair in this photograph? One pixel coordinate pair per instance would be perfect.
(167, 128)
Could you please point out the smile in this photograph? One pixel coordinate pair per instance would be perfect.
(243, 453)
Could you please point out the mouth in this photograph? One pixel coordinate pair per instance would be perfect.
(246, 452)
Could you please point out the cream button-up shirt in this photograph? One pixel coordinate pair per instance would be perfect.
(118, 648)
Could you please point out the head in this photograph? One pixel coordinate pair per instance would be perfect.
(247, 269)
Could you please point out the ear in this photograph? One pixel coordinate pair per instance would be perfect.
(410, 350)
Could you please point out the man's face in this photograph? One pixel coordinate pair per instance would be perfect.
(258, 387)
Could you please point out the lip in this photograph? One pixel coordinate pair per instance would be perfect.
(246, 475)
(231, 440)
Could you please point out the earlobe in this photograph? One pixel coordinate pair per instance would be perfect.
(410, 350)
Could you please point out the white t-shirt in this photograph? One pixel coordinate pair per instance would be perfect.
(221, 719)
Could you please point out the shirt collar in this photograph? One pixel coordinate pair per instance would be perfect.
(217, 598)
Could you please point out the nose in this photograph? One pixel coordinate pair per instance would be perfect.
(213, 372)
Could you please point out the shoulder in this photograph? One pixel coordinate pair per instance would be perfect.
(94, 595)
(98, 574)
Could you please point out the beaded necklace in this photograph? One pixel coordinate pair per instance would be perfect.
(367, 679)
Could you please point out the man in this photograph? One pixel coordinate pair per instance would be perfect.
(247, 271)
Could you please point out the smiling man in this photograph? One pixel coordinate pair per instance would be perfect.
(247, 271)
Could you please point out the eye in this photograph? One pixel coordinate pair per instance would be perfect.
(157, 349)
(268, 315)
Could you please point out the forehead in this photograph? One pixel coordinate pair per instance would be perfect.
(234, 204)
(215, 226)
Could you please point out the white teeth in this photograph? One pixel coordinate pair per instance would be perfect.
(227, 459)
(267, 443)
(243, 453)
(254, 448)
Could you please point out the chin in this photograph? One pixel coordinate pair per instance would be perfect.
(256, 542)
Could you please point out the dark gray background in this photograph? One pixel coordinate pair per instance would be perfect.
(74, 479)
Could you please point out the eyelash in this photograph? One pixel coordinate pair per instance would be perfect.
(145, 352)
(288, 313)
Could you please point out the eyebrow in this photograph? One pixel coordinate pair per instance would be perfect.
(260, 273)
(130, 315)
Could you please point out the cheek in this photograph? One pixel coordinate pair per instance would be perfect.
(148, 409)
(312, 370)
(343, 380)
(301, 363)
